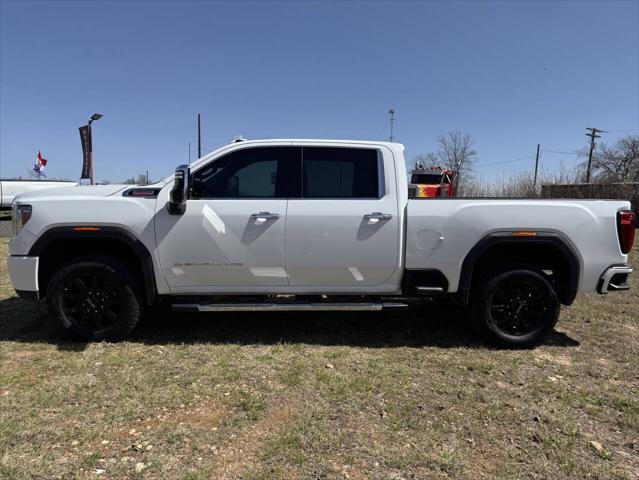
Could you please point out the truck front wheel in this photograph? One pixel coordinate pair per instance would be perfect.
(94, 299)
(515, 308)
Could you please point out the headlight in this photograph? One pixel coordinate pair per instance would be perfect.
(21, 215)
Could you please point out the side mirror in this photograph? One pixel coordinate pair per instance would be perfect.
(180, 191)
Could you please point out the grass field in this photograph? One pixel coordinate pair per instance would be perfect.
(259, 396)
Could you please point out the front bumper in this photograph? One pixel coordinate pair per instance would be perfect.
(23, 271)
(615, 278)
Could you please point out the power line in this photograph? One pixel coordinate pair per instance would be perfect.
(557, 151)
(508, 161)
(622, 131)
(505, 169)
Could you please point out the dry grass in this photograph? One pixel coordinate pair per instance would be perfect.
(323, 396)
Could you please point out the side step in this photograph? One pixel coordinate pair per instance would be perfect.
(429, 290)
(287, 307)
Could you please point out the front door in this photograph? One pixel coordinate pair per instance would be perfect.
(231, 236)
(343, 233)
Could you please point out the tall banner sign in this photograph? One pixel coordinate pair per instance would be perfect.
(87, 152)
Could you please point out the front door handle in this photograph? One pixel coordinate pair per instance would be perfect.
(378, 216)
(263, 216)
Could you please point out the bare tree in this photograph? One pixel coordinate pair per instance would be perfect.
(456, 152)
(141, 179)
(618, 162)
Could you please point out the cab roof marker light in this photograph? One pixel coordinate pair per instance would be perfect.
(524, 234)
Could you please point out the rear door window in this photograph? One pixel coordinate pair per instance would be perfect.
(336, 172)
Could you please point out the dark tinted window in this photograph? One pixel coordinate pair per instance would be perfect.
(428, 178)
(248, 173)
(329, 172)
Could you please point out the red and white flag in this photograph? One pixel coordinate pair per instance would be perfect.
(41, 160)
(40, 163)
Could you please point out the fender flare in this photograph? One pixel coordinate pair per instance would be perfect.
(103, 232)
(552, 239)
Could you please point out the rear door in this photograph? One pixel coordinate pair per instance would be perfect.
(342, 233)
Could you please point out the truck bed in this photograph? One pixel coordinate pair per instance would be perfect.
(441, 232)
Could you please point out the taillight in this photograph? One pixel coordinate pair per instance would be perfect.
(626, 221)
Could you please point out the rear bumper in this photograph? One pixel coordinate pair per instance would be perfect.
(615, 278)
(23, 271)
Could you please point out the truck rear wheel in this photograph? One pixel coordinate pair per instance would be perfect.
(94, 299)
(515, 308)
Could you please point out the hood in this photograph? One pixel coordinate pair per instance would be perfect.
(71, 192)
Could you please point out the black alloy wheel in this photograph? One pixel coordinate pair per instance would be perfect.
(94, 298)
(515, 308)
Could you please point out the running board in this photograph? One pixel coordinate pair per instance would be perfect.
(287, 307)
(430, 290)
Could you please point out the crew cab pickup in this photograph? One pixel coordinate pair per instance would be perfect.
(9, 189)
(304, 225)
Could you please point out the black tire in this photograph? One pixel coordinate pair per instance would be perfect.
(514, 308)
(94, 298)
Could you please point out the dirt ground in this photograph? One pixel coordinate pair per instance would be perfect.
(326, 395)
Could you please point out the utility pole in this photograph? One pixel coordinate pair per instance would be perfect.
(189, 153)
(391, 112)
(147, 177)
(199, 138)
(536, 167)
(592, 135)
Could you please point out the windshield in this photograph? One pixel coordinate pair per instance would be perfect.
(427, 178)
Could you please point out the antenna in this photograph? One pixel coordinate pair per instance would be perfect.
(391, 112)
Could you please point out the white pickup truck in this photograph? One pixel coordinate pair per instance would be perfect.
(9, 189)
(304, 225)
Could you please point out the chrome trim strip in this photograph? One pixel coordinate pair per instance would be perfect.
(430, 289)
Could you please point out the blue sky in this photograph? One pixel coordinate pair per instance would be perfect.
(511, 74)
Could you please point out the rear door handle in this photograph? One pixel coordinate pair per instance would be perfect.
(378, 216)
(263, 216)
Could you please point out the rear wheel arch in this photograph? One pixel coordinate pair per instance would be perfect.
(60, 245)
(543, 251)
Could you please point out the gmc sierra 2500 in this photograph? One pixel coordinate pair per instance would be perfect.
(309, 225)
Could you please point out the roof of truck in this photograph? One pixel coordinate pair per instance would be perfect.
(312, 140)
(391, 145)
(239, 140)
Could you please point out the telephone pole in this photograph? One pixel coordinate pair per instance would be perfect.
(391, 112)
(536, 167)
(592, 135)
(199, 138)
